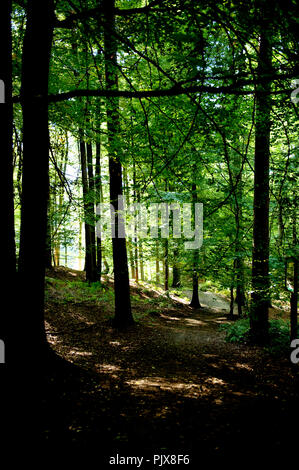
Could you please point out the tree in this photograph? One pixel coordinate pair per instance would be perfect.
(195, 299)
(34, 92)
(7, 156)
(260, 257)
(123, 314)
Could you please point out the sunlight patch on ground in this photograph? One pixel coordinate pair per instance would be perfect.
(215, 381)
(193, 322)
(191, 390)
(115, 343)
(243, 366)
(74, 352)
(107, 368)
(169, 318)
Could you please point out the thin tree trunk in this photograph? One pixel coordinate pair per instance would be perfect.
(176, 278)
(129, 242)
(238, 265)
(135, 227)
(231, 305)
(157, 263)
(48, 240)
(91, 203)
(294, 295)
(89, 267)
(123, 314)
(260, 258)
(166, 266)
(80, 244)
(142, 275)
(99, 199)
(195, 299)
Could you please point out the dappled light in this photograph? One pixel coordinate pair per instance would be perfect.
(149, 156)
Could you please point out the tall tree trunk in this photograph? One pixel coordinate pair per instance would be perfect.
(195, 299)
(80, 244)
(34, 91)
(142, 275)
(294, 295)
(129, 242)
(123, 314)
(91, 203)
(89, 259)
(6, 116)
(135, 227)
(99, 199)
(260, 259)
(157, 263)
(176, 278)
(48, 240)
(238, 265)
(166, 266)
(7, 318)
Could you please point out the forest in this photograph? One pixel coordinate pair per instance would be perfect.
(150, 153)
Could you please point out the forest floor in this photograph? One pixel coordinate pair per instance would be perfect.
(170, 384)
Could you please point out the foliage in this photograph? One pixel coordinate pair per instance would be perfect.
(279, 334)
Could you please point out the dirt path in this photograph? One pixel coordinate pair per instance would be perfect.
(211, 300)
(170, 383)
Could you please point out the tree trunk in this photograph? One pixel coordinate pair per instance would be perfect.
(238, 265)
(129, 242)
(157, 263)
(195, 300)
(141, 261)
(176, 278)
(6, 117)
(123, 314)
(231, 305)
(90, 267)
(34, 91)
(294, 295)
(48, 240)
(7, 318)
(166, 266)
(135, 228)
(260, 259)
(91, 203)
(99, 199)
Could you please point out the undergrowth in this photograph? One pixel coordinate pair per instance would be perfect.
(279, 334)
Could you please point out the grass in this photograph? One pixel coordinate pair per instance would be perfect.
(76, 291)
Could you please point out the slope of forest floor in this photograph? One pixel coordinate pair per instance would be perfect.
(168, 384)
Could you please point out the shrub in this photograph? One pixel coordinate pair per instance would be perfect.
(279, 334)
(236, 332)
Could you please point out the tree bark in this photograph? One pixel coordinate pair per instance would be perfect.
(90, 267)
(195, 299)
(260, 259)
(6, 117)
(294, 294)
(91, 204)
(8, 315)
(157, 263)
(176, 278)
(99, 199)
(123, 314)
(34, 92)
